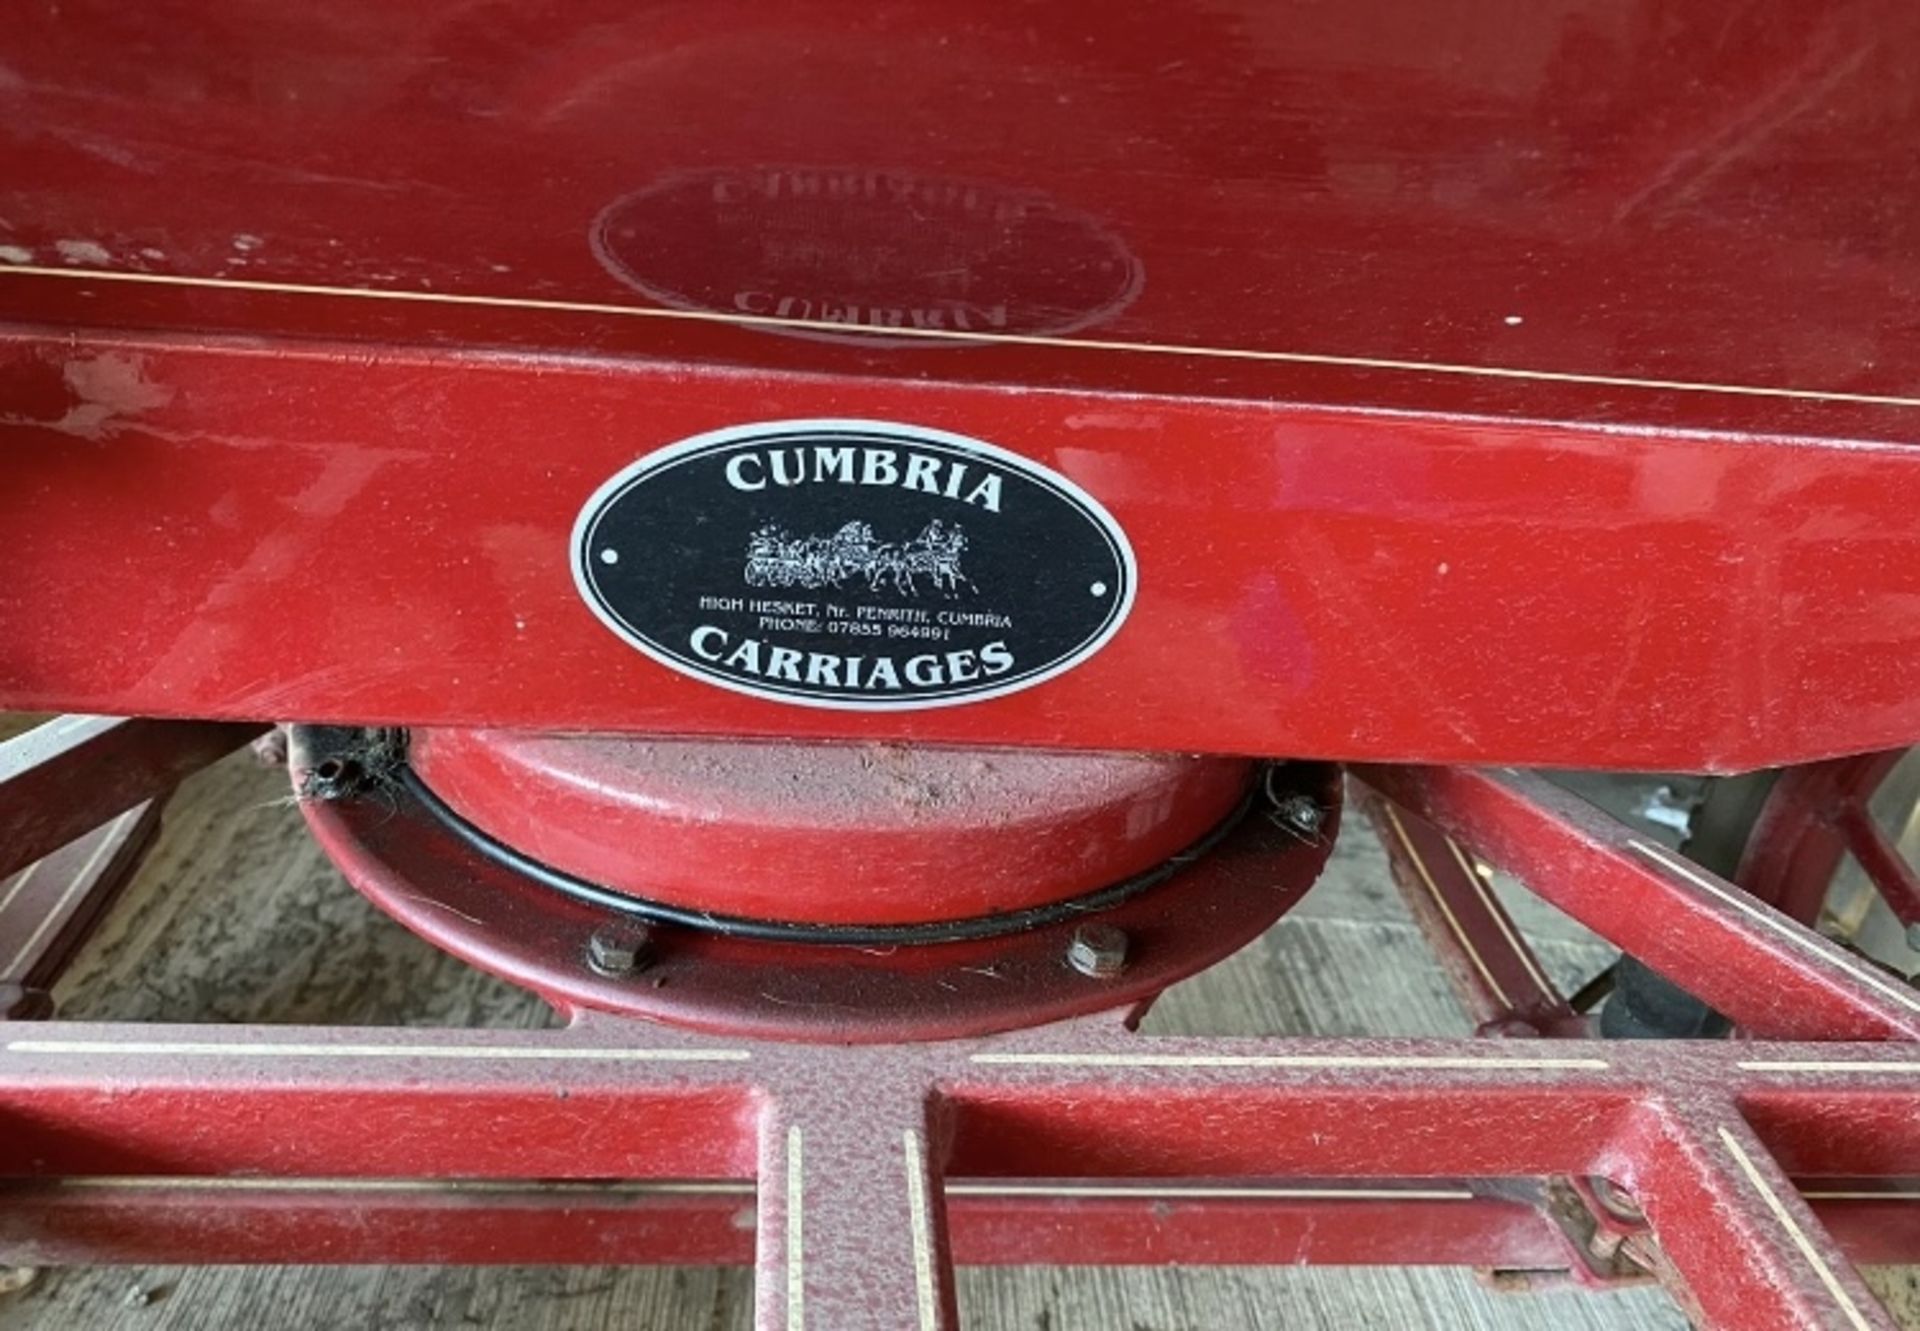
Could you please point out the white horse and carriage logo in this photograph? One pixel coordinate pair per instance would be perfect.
(776, 558)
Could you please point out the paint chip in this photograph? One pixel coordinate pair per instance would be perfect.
(84, 251)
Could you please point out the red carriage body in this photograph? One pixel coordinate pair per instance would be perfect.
(1473, 390)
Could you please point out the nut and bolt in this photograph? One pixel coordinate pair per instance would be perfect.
(617, 950)
(1098, 951)
(1300, 814)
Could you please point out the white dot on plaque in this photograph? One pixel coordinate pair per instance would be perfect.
(1098, 589)
(609, 556)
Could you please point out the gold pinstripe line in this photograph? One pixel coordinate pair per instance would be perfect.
(1808, 1249)
(1828, 1065)
(1800, 938)
(1522, 953)
(1299, 1062)
(1251, 354)
(252, 1049)
(109, 842)
(1459, 934)
(926, 1296)
(19, 881)
(796, 1239)
(730, 1188)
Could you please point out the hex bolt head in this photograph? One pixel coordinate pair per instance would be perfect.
(620, 949)
(1098, 951)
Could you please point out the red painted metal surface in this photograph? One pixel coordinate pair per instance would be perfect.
(862, 1173)
(1048, 1109)
(710, 1222)
(1466, 382)
(1774, 976)
(1653, 191)
(871, 833)
(427, 551)
(97, 1219)
(1491, 967)
(1587, 330)
(395, 851)
(1813, 816)
(48, 909)
(1891, 874)
(62, 780)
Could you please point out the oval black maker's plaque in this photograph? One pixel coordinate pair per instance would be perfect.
(854, 564)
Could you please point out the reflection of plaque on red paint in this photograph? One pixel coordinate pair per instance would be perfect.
(870, 249)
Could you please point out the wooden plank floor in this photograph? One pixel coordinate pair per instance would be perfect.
(238, 917)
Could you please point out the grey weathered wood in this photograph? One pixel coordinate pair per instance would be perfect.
(238, 917)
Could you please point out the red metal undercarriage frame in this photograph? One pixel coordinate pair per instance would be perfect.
(1762, 1164)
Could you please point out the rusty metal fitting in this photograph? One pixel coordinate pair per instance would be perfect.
(1616, 1201)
